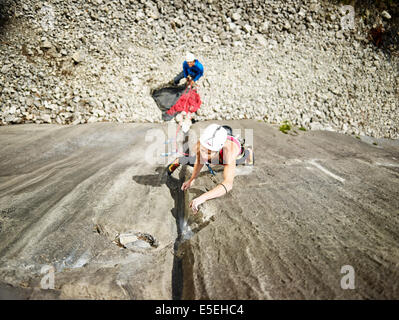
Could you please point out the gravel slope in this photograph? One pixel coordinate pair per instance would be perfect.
(94, 61)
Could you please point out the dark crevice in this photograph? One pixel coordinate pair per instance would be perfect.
(179, 213)
(177, 270)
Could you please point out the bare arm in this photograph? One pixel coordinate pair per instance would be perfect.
(197, 168)
(197, 165)
(228, 178)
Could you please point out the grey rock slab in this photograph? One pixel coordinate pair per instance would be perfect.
(66, 192)
(313, 203)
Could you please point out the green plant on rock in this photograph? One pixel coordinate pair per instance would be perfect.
(285, 127)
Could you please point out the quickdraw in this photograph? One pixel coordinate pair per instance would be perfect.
(210, 169)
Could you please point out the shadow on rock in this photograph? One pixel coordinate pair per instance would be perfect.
(156, 180)
(5, 16)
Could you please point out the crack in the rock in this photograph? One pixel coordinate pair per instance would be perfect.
(179, 213)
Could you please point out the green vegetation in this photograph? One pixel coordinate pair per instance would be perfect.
(285, 127)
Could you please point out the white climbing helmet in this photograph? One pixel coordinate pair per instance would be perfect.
(214, 137)
(190, 57)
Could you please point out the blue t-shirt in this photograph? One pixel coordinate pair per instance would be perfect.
(196, 71)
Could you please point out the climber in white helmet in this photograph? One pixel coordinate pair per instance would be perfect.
(192, 70)
(216, 145)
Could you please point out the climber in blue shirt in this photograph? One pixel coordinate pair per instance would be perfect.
(192, 70)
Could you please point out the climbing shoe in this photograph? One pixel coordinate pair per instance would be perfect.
(173, 166)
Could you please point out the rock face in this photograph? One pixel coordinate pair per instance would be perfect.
(68, 198)
(61, 62)
(312, 204)
(90, 203)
